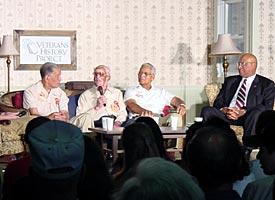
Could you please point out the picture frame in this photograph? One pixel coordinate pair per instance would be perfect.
(39, 46)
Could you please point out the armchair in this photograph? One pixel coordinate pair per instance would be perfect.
(212, 91)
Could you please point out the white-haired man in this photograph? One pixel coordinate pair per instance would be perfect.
(95, 103)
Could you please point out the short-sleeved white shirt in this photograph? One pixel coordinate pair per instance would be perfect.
(36, 96)
(154, 99)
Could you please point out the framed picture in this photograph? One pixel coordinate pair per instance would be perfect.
(39, 46)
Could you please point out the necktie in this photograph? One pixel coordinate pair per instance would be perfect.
(240, 102)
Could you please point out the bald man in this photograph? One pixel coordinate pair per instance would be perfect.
(258, 96)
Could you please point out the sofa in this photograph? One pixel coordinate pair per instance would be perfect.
(11, 137)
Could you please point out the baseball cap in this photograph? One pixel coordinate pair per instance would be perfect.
(265, 131)
(57, 150)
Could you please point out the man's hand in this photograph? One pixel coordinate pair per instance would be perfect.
(147, 113)
(181, 109)
(58, 116)
(233, 113)
(117, 124)
(100, 102)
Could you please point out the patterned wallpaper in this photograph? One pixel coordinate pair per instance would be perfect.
(264, 36)
(172, 35)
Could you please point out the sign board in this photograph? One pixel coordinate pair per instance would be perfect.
(39, 46)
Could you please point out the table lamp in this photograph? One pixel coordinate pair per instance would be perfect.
(7, 50)
(224, 47)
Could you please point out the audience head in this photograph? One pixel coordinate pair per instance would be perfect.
(158, 179)
(102, 75)
(96, 182)
(217, 122)
(50, 74)
(34, 123)
(157, 134)
(215, 157)
(265, 139)
(146, 74)
(57, 150)
(138, 142)
(247, 65)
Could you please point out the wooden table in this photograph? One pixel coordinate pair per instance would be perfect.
(115, 134)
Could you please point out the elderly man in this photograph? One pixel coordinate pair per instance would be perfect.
(147, 100)
(100, 100)
(243, 97)
(45, 98)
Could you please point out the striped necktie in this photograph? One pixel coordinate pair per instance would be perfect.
(240, 102)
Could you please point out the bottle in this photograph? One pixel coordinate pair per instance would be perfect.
(109, 160)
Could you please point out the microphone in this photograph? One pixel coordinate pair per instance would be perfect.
(171, 110)
(22, 113)
(100, 89)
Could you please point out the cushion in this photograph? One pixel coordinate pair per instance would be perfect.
(73, 103)
(17, 100)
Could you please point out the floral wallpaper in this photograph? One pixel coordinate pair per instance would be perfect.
(172, 35)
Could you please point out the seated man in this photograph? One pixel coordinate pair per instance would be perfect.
(147, 100)
(45, 98)
(100, 100)
(243, 97)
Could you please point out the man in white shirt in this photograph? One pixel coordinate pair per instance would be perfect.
(147, 100)
(46, 98)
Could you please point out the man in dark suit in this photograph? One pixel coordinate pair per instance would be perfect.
(258, 96)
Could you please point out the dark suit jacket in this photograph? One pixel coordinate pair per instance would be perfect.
(261, 93)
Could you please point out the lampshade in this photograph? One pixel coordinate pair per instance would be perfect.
(224, 46)
(7, 48)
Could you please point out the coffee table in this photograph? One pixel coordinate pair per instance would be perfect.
(115, 135)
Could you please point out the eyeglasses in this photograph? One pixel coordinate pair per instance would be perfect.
(101, 74)
(243, 64)
(145, 73)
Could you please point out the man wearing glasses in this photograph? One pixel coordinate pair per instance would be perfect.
(243, 97)
(100, 100)
(147, 100)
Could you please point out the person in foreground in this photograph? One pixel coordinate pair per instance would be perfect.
(265, 139)
(95, 180)
(157, 135)
(158, 179)
(46, 98)
(147, 100)
(243, 97)
(215, 157)
(19, 168)
(138, 142)
(57, 156)
(100, 100)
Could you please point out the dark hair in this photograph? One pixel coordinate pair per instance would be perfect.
(47, 68)
(138, 142)
(34, 123)
(157, 134)
(96, 182)
(215, 157)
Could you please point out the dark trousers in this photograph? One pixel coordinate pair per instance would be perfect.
(248, 121)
